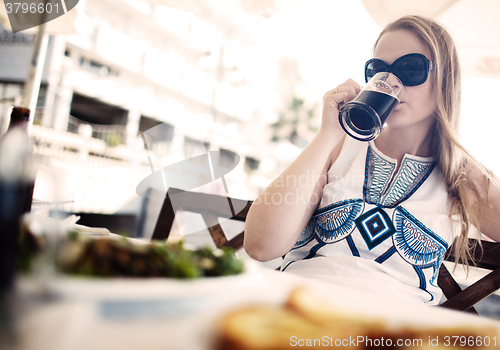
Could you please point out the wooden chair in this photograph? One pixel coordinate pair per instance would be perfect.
(211, 208)
(464, 300)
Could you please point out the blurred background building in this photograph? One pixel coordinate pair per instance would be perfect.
(131, 66)
(237, 75)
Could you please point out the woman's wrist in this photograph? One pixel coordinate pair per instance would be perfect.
(330, 138)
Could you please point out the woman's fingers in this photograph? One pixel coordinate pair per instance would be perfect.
(336, 95)
(351, 87)
(343, 93)
(333, 100)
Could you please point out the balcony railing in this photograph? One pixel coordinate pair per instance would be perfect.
(71, 147)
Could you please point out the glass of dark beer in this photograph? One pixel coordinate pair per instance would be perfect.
(363, 117)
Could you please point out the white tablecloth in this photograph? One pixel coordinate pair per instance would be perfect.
(164, 314)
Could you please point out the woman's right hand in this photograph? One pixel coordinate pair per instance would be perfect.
(333, 100)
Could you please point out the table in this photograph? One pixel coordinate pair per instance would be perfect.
(164, 314)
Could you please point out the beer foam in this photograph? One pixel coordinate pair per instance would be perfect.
(382, 86)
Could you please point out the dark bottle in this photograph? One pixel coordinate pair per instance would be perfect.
(16, 190)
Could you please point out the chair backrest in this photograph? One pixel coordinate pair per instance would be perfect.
(487, 258)
(211, 207)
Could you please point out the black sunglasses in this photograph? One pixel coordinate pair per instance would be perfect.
(412, 69)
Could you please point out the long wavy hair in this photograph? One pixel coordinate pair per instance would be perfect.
(452, 157)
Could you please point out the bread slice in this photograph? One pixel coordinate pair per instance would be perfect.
(309, 321)
(275, 328)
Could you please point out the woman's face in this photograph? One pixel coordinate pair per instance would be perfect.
(417, 103)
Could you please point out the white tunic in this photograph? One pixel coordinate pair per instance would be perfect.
(388, 237)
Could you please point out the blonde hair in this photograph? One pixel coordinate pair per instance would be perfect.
(452, 157)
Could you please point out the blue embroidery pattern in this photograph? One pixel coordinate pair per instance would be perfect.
(331, 223)
(378, 172)
(306, 236)
(314, 250)
(352, 246)
(390, 252)
(375, 227)
(417, 244)
(412, 172)
(335, 222)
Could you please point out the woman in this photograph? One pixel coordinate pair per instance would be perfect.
(381, 215)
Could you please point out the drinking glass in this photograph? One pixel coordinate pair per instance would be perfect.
(363, 117)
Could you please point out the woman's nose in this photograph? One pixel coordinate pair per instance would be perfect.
(395, 84)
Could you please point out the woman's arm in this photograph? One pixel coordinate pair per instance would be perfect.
(280, 213)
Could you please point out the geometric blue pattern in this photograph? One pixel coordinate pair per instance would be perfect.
(416, 243)
(379, 171)
(411, 176)
(331, 223)
(375, 226)
(334, 223)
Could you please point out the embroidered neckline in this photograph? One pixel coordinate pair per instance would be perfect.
(407, 155)
(380, 169)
